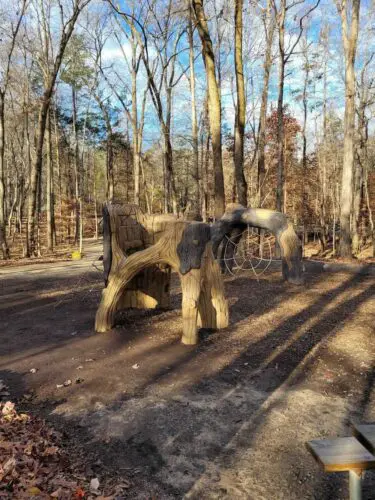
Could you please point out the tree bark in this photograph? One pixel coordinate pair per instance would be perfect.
(269, 32)
(194, 121)
(350, 47)
(134, 121)
(77, 168)
(358, 176)
(58, 163)
(49, 188)
(240, 108)
(305, 186)
(3, 240)
(280, 111)
(109, 147)
(168, 156)
(214, 106)
(35, 175)
(369, 208)
(322, 158)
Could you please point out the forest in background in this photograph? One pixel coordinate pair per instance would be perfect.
(186, 106)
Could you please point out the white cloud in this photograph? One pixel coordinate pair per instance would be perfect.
(112, 52)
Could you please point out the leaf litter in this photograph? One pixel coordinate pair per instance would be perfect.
(34, 463)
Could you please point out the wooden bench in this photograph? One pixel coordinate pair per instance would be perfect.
(345, 454)
(365, 433)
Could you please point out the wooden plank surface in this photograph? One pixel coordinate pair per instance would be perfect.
(341, 454)
(365, 433)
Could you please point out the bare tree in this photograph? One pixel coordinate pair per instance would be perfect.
(4, 83)
(285, 53)
(240, 108)
(365, 100)
(194, 120)
(322, 156)
(132, 114)
(50, 187)
(68, 22)
(349, 13)
(214, 105)
(268, 19)
(168, 79)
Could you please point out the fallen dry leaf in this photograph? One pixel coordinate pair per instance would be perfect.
(34, 491)
(8, 466)
(34, 463)
(8, 408)
(50, 450)
(79, 493)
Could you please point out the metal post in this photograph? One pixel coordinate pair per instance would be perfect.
(355, 485)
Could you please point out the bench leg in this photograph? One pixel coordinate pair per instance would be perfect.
(355, 485)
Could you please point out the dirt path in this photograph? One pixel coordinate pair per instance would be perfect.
(227, 419)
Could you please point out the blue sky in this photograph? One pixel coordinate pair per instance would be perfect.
(325, 14)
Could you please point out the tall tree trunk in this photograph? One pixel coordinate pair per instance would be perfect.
(58, 163)
(269, 32)
(358, 176)
(214, 106)
(168, 166)
(35, 176)
(141, 123)
(3, 240)
(280, 111)
(322, 158)
(369, 209)
(49, 188)
(194, 121)
(350, 47)
(77, 168)
(305, 186)
(110, 171)
(109, 159)
(109, 152)
(204, 164)
(168, 156)
(95, 197)
(134, 120)
(240, 109)
(13, 205)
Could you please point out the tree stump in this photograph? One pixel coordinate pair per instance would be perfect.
(186, 248)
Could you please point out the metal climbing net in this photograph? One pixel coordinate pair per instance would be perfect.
(252, 250)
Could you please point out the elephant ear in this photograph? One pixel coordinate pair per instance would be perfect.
(192, 245)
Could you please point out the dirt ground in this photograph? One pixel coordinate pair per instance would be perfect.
(227, 419)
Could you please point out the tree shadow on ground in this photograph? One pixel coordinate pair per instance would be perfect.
(214, 416)
(223, 393)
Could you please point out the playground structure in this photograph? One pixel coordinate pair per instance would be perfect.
(251, 252)
(227, 232)
(140, 250)
(139, 253)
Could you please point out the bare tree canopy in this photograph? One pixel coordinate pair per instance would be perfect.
(185, 107)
